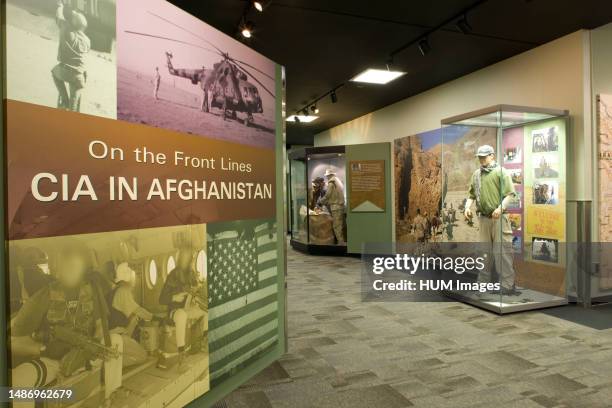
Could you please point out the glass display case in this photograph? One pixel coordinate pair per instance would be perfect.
(504, 174)
(317, 178)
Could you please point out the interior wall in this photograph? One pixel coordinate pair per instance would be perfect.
(553, 75)
(601, 83)
(369, 227)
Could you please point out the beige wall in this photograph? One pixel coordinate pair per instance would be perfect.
(601, 83)
(553, 75)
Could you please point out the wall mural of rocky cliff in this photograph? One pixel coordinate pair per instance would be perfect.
(418, 181)
(459, 163)
(432, 176)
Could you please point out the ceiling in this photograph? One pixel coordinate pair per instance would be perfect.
(324, 43)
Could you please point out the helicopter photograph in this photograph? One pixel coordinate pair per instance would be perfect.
(173, 74)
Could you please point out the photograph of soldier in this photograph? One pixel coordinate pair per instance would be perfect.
(96, 324)
(70, 74)
(184, 295)
(213, 86)
(60, 331)
(545, 140)
(544, 249)
(491, 190)
(30, 274)
(61, 54)
(125, 314)
(546, 165)
(334, 200)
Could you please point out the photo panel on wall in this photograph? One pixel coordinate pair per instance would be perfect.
(62, 54)
(112, 311)
(123, 280)
(177, 72)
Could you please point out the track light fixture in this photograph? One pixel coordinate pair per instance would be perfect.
(257, 5)
(463, 25)
(334, 97)
(424, 46)
(296, 119)
(381, 76)
(247, 29)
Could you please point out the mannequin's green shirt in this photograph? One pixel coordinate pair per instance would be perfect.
(494, 186)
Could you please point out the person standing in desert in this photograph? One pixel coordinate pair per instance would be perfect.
(70, 74)
(156, 83)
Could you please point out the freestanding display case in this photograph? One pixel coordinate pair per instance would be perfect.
(525, 243)
(317, 178)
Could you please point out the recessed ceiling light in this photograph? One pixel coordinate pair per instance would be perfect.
(302, 118)
(258, 6)
(247, 29)
(377, 76)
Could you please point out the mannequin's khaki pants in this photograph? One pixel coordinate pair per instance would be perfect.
(497, 233)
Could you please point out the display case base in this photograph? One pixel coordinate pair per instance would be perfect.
(527, 300)
(318, 249)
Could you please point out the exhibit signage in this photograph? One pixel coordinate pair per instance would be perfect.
(144, 264)
(545, 192)
(367, 185)
(87, 169)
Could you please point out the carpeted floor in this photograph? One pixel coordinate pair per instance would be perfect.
(346, 353)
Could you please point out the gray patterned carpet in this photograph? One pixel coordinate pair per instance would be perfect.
(345, 353)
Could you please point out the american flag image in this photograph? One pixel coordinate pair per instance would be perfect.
(243, 294)
(233, 268)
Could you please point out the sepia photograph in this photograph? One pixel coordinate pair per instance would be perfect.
(119, 317)
(545, 140)
(178, 73)
(544, 249)
(61, 54)
(545, 165)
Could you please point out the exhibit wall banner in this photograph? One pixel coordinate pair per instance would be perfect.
(367, 186)
(545, 191)
(143, 187)
(104, 175)
(371, 226)
(605, 167)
